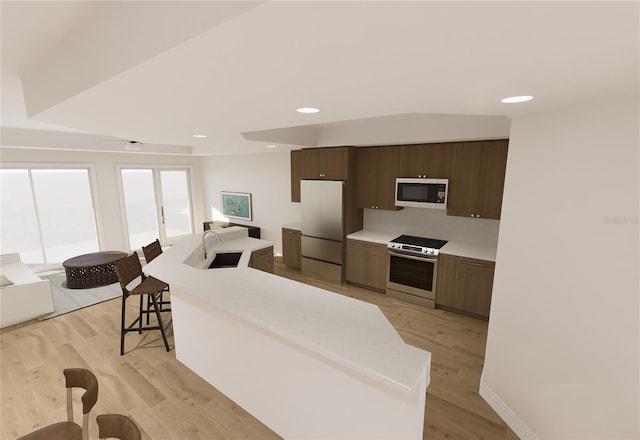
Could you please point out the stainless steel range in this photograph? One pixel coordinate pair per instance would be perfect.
(413, 269)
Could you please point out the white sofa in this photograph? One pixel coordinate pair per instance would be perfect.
(23, 294)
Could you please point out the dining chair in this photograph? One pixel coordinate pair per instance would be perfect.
(129, 270)
(69, 430)
(117, 426)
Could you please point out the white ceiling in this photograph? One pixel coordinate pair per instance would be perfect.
(382, 72)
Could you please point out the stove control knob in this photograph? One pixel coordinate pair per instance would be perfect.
(431, 251)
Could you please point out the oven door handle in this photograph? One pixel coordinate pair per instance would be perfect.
(411, 257)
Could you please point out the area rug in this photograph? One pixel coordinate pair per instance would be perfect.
(67, 300)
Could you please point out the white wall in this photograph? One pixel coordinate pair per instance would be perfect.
(107, 197)
(433, 223)
(266, 176)
(562, 358)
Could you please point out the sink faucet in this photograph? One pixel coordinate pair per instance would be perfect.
(204, 245)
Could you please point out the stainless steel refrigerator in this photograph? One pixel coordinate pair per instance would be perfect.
(322, 205)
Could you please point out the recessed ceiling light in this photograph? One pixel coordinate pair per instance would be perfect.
(307, 110)
(516, 99)
(199, 135)
(271, 146)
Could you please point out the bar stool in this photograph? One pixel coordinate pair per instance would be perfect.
(151, 251)
(128, 269)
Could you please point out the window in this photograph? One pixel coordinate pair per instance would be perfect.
(157, 204)
(47, 214)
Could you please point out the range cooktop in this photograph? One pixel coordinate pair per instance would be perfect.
(417, 245)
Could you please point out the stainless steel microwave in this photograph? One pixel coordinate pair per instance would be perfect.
(422, 193)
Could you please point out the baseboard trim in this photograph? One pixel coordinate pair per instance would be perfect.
(516, 424)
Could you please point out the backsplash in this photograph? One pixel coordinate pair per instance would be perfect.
(433, 223)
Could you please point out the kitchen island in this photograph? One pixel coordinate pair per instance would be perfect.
(306, 362)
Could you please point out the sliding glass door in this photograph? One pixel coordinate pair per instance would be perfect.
(157, 204)
(140, 206)
(47, 214)
(176, 204)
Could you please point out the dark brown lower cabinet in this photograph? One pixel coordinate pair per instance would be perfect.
(464, 285)
(262, 259)
(367, 264)
(291, 244)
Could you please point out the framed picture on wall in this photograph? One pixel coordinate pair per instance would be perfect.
(236, 205)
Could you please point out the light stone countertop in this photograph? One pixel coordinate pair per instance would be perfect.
(373, 236)
(295, 226)
(481, 252)
(351, 332)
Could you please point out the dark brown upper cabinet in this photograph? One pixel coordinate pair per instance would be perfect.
(425, 160)
(326, 163)
(377, 169)
(296, 174)
(476, 179)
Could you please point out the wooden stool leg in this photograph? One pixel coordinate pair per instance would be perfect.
(156, 307)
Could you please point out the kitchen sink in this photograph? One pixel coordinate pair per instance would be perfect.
(225, 259)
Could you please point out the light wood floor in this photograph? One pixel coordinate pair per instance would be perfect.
(168, 401)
